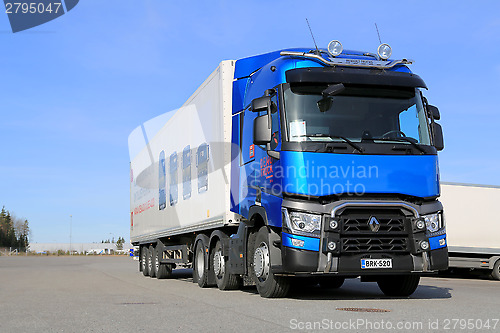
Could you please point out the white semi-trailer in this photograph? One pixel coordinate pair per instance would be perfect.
(473, 234)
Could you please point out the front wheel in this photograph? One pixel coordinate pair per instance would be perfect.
(399, 285)
(268, 285)
(331, 282)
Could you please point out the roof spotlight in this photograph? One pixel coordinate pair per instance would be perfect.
(384, 51)
(335, 48)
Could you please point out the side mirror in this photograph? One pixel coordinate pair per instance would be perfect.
(261, 104)
(261, 130)
(437, 134)
(433, 112)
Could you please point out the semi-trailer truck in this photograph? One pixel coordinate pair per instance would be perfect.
(300, 163)
(473, 240)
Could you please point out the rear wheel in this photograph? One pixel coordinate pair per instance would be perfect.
(399, 285)
(150, 262)
(144, 260)
(268, 285)
(155, 262)
(495, 273)
(200, 271)
(224, 280)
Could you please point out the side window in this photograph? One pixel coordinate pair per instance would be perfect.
(409, 122)
(202, 164)
(173, 179)
(186, 173)
(162, 201)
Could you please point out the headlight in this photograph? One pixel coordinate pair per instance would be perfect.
(434, 222)
(302, 222)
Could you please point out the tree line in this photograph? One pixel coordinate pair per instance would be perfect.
(14, 232)
(119, 242)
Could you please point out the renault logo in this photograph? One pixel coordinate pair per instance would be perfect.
(374, 224)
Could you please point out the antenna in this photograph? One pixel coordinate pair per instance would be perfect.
(317, 50)
(378, 33)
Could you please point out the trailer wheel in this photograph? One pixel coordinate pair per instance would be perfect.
(495, 273)
(155, 262)
(224, 280)
(399, 285)
(150, 261)
(144, 260)
(200, 269)
(268, 285)
(332, 282)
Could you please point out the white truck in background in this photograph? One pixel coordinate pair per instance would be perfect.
(472, 234)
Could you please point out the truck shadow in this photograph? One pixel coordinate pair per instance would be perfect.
(353, 289)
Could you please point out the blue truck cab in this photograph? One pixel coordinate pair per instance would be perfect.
(335, 170)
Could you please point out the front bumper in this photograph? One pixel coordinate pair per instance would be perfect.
(297, 261)
(399, 241)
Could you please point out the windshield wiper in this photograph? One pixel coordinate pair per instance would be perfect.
(321, 135)
(403, 139)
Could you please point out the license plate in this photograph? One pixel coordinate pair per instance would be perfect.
(376, 263)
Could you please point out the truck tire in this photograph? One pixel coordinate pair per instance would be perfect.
(331, 282)
(149, 261)
(399, 285)
(224, 280)
(200, 269)
(495, 273)
(144, 260)
(155, 262)
(268, 285)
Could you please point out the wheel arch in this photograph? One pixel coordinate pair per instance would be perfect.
(257, 216)
(223, 238)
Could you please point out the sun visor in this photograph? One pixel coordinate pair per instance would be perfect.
(354, 76)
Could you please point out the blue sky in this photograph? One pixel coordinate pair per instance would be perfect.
(74, 88)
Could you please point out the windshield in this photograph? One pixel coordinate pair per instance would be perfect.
(358, 113)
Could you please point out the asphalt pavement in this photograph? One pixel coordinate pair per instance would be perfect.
(109, 294)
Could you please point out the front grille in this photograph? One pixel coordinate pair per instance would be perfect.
(370, 244)
(359, 223)
(390, 235)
